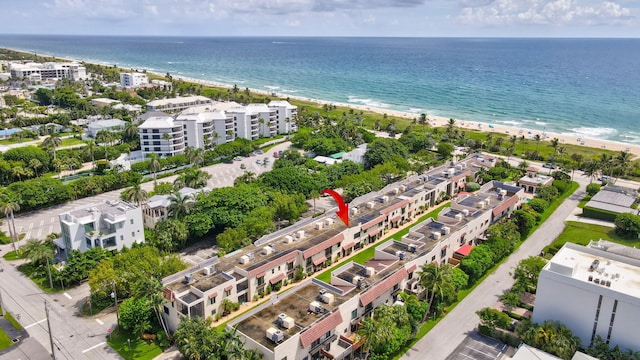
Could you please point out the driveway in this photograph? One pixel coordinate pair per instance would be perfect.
(444, 338)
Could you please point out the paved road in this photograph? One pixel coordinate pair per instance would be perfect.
(39, 224)
(74, 337)
(443, 339)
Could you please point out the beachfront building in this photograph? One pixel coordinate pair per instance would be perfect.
(246, 122)
(111, 225)
(593, 290)
(104, 102)
(178, 104)
(612, 199)
(204, 127)
(286, 115)
(532, 181)
(163, 85)
(160, 135)
(312, 245)
(48, 71)
(133, 80)
(267, 119)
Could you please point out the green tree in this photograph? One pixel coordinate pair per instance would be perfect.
(593, 189)
(135, 194)
(525, 221)
(627, 225)
(494, 318)
(52, 142)
(135, 315)
(437, 280)
(527, 272)
(154, 166)
(176, 229)
(40, 254)
(10, 205)
(383, 150)
(192, 178)
(445, 150)
(180, 205)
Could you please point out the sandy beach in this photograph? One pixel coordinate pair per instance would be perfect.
(439, 121)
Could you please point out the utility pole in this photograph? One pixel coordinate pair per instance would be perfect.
(115, 297)
(46, 310)
(1, 303)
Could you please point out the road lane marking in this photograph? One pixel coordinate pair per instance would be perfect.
(93, 347)
(99, 321)
(67, 295)
(35, 323)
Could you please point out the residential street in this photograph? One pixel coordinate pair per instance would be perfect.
(461, 321)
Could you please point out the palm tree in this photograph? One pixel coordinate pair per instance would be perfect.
(52, 142)
(180, 206)
(192, 178)
(135, 194)
(9, 206)
(18, 172)
(151, 288)
(314, 195)
(38, 251)
(606, 164)
(35, 164)
(154, 166)
(591, 169)
(437, 281)
(104, 137)
(623, 160)
(450, 125)
(130, 131)
(554, 144)
(368, 331)
(537, 139)
(91, 146)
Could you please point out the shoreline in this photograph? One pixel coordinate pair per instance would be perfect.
(434, 121)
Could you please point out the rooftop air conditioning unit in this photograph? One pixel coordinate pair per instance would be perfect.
(244, 259)
(503, 192)
(354, 211)
(401, 254)
(369, 271)
(396, 191)
(315, 307)
(384, 199)
(300, 234)
(413, 248)
(458, 167)
(480, 204)
(319, 226)
(451, 171)
(436, 235)
(274, 335)
(465, 212)
(458, 217)
(207, 271)
(328, 221)
(445, 230)
(327, 298)
(487, 201)
(445, 174)
(288, 239)
(403, 188)
(188, 279)
(370, 205)
(267, 250)
(288, 322)
(463, 165)
(357, 280)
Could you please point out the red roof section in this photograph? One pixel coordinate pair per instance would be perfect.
(277, 278)
(213, 294)
(271, 264)
(348, 245)
(373, 222)
(228, 288)
(396, 206)
(319, 260)
(325, 244)
(382, 287)
(412, 268)
(322, 327)
(168, 294)
(505, 205)
(465, 249)
(462, 175)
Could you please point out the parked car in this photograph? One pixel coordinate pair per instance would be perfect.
(259, 162)
(549, 166)
(266, 160)
(259, 152)
(276, 155)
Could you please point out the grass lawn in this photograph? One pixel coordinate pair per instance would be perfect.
(5, 341)
(71, 141)
(581, 233)
(12, 255)
(584, 202)
(39, 277)
(137, 349)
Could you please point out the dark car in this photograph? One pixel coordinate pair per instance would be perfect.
(549, 166)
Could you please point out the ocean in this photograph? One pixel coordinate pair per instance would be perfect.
(583, 87)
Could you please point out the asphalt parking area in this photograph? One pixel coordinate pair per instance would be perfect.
(477, 347)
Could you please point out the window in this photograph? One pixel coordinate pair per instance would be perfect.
(443, 252)
(213, 312)
(356, 235)
(260, 280)
(290, 266)
(327, 252)
(110, 242)
(88, 227)
(227, 293)
(121, 237)
(166, 310)
(433, 258)
(88, 243)
(131, 221)
(133, 234)
(354, 314)
(212, 301)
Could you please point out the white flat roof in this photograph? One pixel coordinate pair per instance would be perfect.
(179, 100)
(575, 261)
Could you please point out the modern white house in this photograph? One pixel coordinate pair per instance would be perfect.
(48, 71)
(133, 80)
(111, 225)
(178, 104)
(157, 207)
(594, 291)
(160, 135)
(111, 125)
(286, 115)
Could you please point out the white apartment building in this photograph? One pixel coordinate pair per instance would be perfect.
(286, 116)
(593, 290)
(204, 127)
(111, 225)
(267, 119)
(48, 71)
(316, 318)
(246, 122)
(160, 135)
(178, 104)
(133, 80)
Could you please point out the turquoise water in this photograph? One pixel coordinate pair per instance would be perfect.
(586, 87)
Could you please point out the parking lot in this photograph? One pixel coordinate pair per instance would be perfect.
(478, 347)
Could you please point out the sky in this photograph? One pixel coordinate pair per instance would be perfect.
(412, 18)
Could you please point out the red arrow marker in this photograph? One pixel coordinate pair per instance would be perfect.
(343, 210)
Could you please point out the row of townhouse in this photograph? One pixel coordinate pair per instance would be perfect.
(203, 125)
(37, 72)
(314, 243)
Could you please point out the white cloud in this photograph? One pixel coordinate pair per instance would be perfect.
(552, 12)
